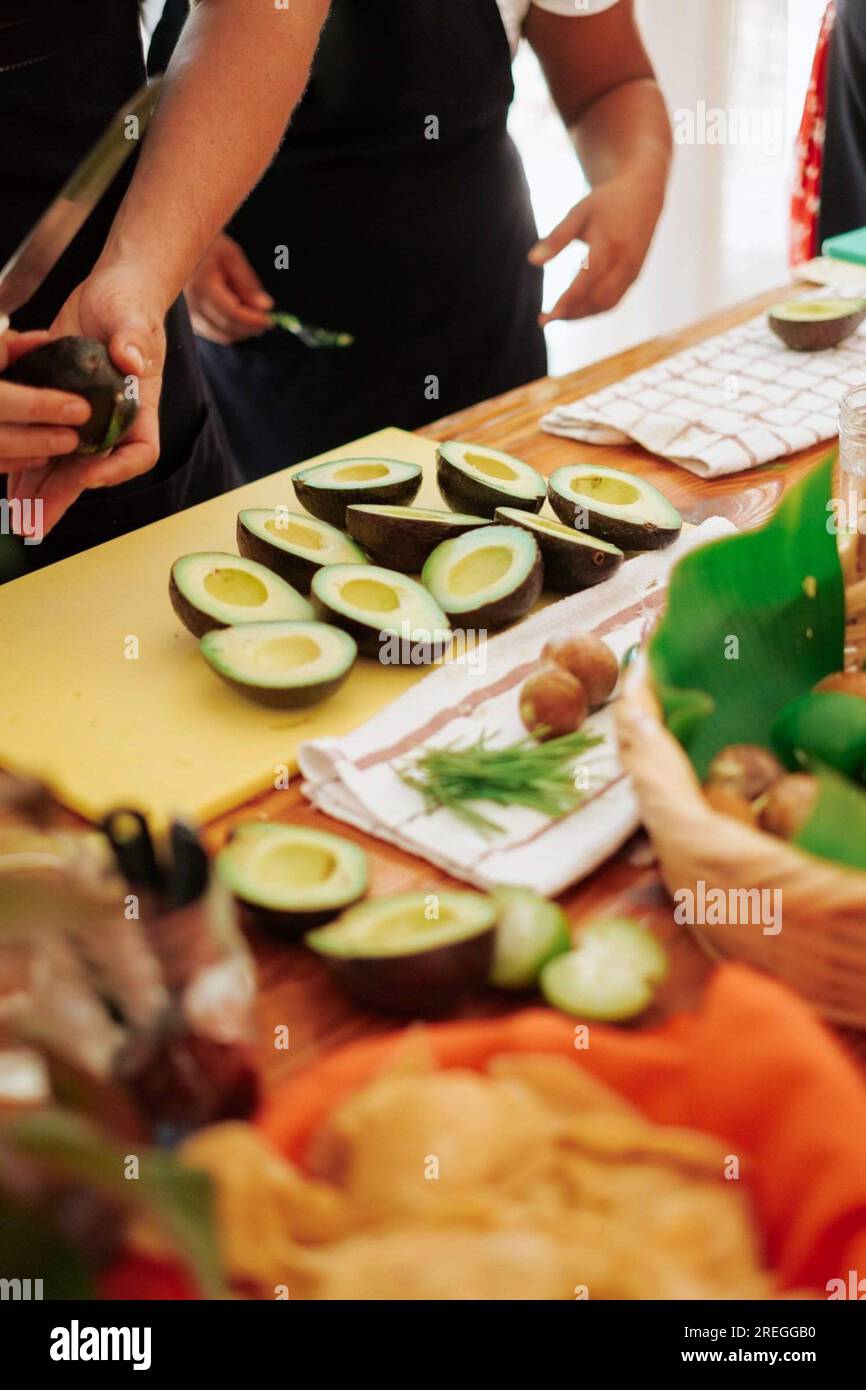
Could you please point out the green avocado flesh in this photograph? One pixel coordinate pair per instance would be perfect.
(82, 366)
(611, 975)
(620, 508)
(285, 665)
(291, 878)
(327, 489)
(403, 537)
(530, 931)
(813, 325)
(573, 560)
(411, 953)
(213, 590)
(390, 616)
(477, 480)
(293, 544)
(488, 578)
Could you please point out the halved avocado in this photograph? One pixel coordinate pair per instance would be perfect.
(290, 878)
(620, 508)
(486, 578)
(284, 665)
(403, 537)
(411, 953)
(390, 616)
(573, 560)
(212, 590)
(293, 544)
(327, 489)
(83, 367)
(477, 480)
(813, 325)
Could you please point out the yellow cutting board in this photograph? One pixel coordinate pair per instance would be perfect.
(105, 696)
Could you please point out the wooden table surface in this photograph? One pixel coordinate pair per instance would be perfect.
(295, 990)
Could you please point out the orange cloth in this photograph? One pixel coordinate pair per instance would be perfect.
(752, 1065)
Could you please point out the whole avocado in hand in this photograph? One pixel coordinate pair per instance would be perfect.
(82, 366)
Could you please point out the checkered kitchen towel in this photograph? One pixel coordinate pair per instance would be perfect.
(730, 403)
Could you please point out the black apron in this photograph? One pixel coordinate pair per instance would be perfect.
(65, 67)
(843, 179)
(403, 207)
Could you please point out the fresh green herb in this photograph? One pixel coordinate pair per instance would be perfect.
(538, 775)
(309, 336)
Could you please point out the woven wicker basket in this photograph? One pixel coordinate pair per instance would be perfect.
(821, 948)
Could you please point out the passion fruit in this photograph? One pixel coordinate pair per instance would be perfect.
(789, 805)
(844, 683)
(589, 660)
(552, 703)
(745, 769)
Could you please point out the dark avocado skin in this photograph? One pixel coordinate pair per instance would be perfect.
(82, 366)
(368, 639)
(331, 506)
(297, 570)
(463, 493)
(299, 697)
(569, 566)
(193, 619)
(507, 609)
(401, 543)
(628, 535)
(424, 983)
(291, 926)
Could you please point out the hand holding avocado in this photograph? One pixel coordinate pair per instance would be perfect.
(33, 421)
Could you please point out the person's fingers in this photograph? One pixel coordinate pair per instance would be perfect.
(242, 278)
(229, 313)
(24, 442)
(571, 228)
(14, 345)
(37, 405)
(56, 486)
(588, 295)
(136, 454)
(203, 328)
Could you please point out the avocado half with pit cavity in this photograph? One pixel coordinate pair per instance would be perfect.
(620, 508)
(813, 325)
(284, 665)
(477, 480)
(327, 489)
(413, 953)
(293, 544)
(212, 590)
(486, 578)
(390, 616)
(403, 537)
(289, 878)
(83, 367)
(573, 560)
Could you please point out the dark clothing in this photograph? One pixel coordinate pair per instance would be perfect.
(843, 184)
(66, 66)
(400, 202)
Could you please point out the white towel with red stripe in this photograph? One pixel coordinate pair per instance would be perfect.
(355, 778)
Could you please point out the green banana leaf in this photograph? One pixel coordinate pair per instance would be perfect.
(752, 621)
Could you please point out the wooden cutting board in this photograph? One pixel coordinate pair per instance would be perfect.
(105, 696)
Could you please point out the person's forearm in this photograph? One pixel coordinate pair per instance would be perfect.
(626, 133)
(236, 76)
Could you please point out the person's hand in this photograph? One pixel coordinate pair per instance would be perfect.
(33, 420)
(125, 310)
(227, 301)
(616, 221)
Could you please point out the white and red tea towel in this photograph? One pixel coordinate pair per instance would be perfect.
(354, 778)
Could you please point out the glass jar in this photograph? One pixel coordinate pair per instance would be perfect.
(852, 481)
